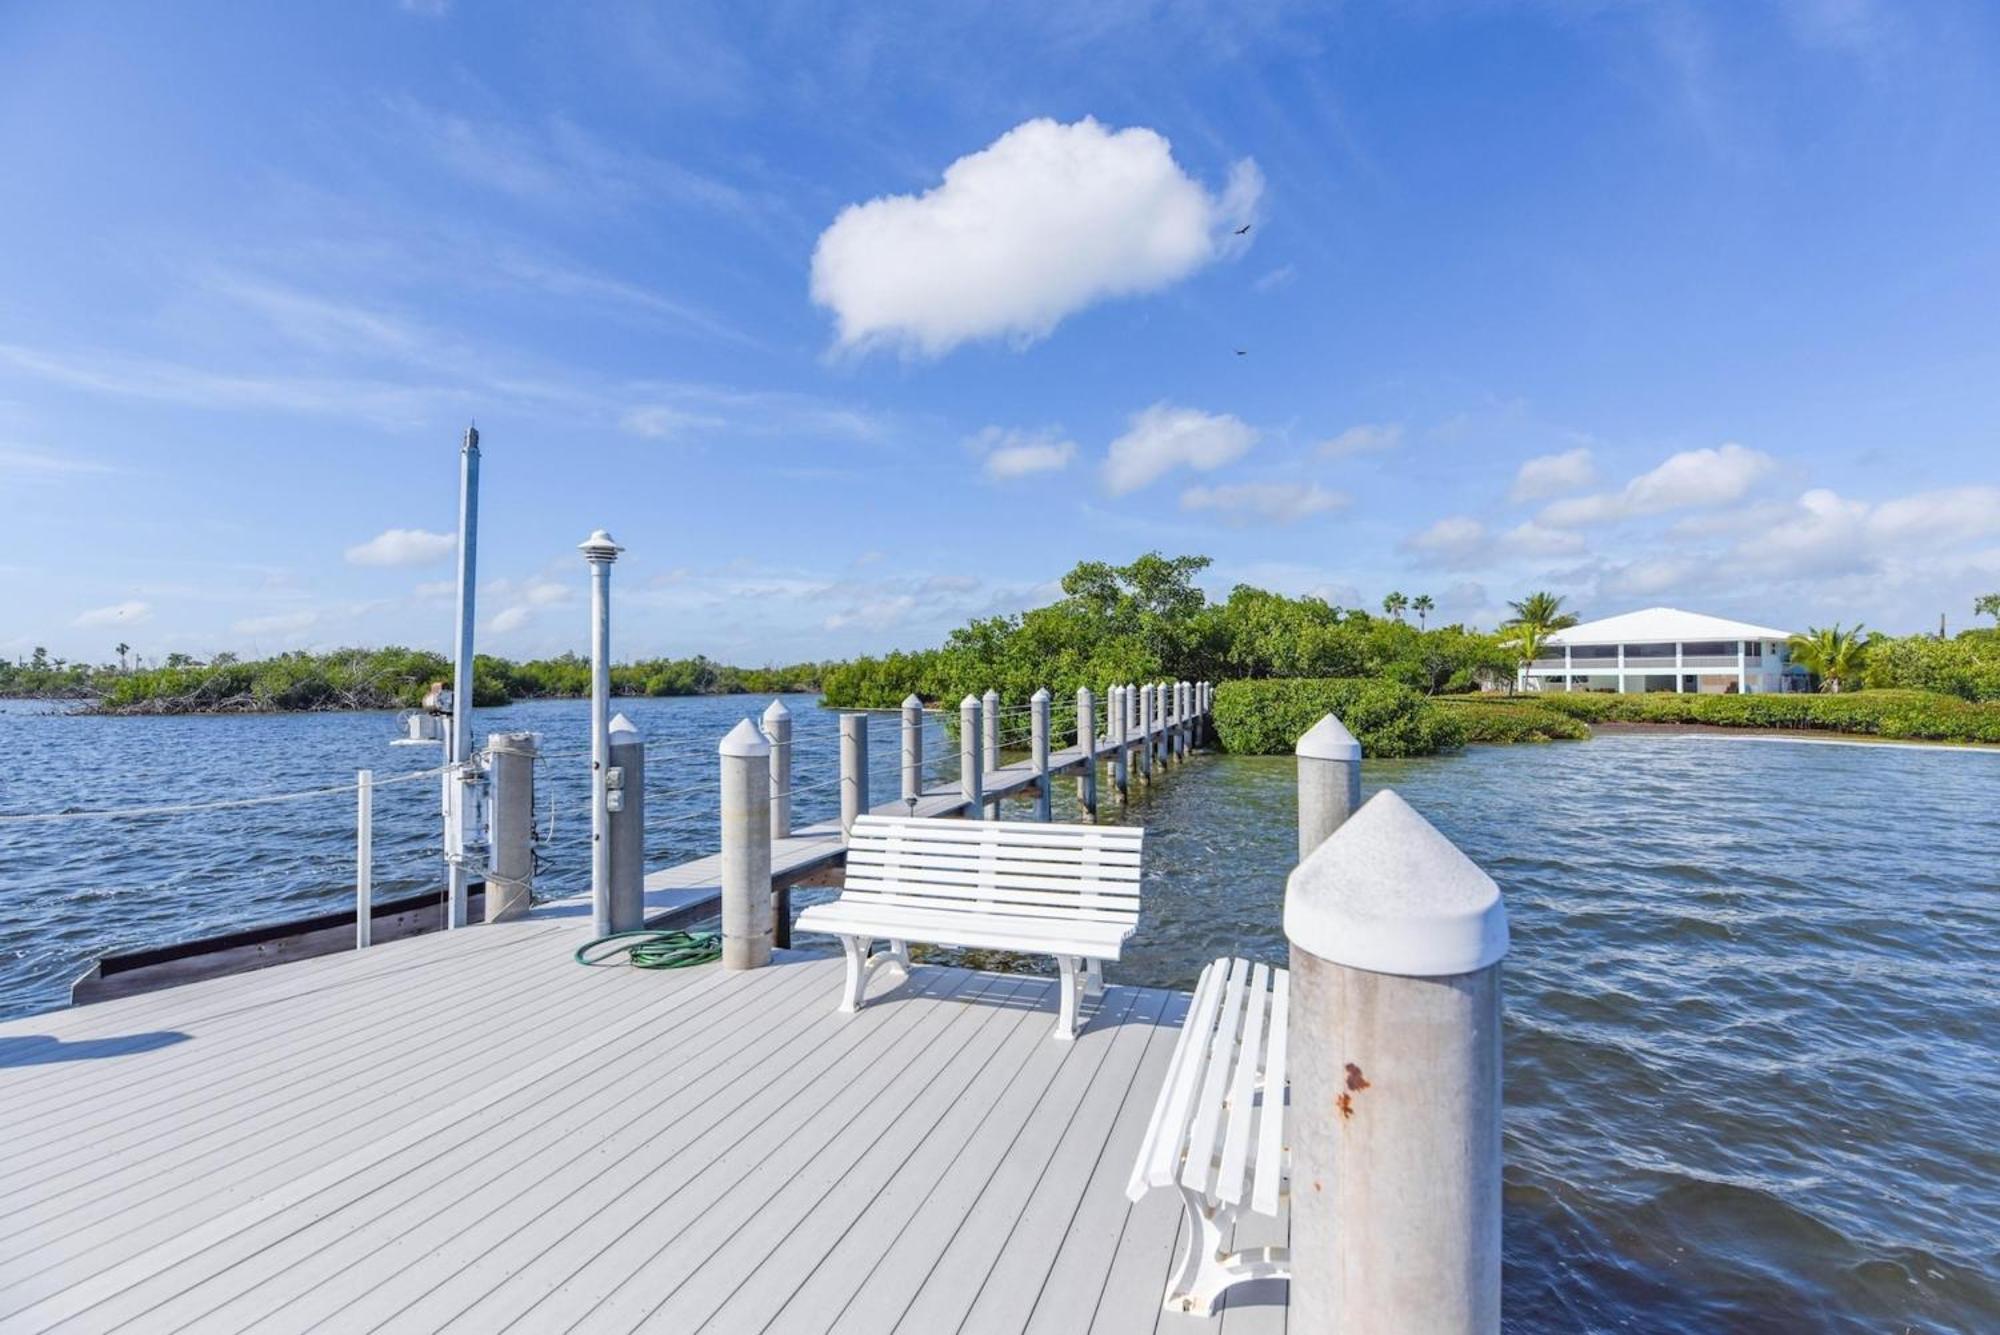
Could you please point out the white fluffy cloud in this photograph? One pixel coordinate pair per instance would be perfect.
(1367, 438)
(118, 614)
(403, 547)
(1688, 480)
(509, 618)
(1043, 222)
(1553, 474)
(1246, 503)
(1011, 453)
(1827, 533)
(277, 623)
(1163, 437)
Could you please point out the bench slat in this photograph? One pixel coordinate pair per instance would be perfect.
(1159, 1154)
(974, 877)
(1029, 936)
(1070, 866)
(1025, 834)
(968, 850)
(1197, 1170)
(1271, 1127)
(968, 904)
(1247, 1056)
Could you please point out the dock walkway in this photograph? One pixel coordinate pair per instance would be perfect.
(468, 1131)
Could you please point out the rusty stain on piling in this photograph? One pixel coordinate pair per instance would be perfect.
(1346, 1105)
(1355, 1080)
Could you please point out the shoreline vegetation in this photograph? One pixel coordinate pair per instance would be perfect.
(1278, 662)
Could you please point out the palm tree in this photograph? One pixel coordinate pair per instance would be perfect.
(1394, 604)
(1526, 642)
(123, 649)
(1422, 605)
(1830, 653)
(1542, 610)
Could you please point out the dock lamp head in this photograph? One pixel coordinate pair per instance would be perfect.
(599, 549)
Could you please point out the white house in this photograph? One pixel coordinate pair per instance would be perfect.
(1665, 649)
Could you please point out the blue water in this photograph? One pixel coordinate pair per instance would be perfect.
(1753, 1001)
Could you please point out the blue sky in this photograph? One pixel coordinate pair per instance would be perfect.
(851, 322)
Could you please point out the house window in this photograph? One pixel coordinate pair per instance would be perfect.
(1753, 651)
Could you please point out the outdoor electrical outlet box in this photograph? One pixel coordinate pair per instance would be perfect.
(614, 801)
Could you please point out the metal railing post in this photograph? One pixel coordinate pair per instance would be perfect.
(364, 858)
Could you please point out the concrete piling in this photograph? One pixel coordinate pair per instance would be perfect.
(1086, 737)
(913, 748)
(1038, 749)
(1146, 702)
(989, 760)
(510, 847)
(1396, 943)
(968, 757)
(854, 770)
(1120, 741)
(778, 731)
(746, 848)
(1329, 761)
(625, 809)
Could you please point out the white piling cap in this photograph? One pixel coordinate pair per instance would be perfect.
(1041, 696)
(910, 701)
(1329, 739)
(599, 547)
(745, 739)
(1387, 893)
(620, 724)
(776, 710)
(992, 695)
(969, 702)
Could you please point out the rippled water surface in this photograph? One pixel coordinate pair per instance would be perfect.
(1753, 1002)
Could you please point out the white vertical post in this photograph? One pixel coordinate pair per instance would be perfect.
(1621, 669)
(778, 731)
(1396, 943)
(913, 749)
(989, 760)
(968, 757)
(1120, 740)
(1038, 748)
(854, 770)
(1146, 694)
(1742, 671)
(746, 848)
(600, 552)
(364, 858)
(1329, 781)
(510, 843)
(458, 776)
(625, 823)
(1086, 737)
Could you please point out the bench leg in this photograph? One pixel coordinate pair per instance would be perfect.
(899, 951)
(1206, 1271)
(1066, 1012)
(1093, 978)
(857, 972)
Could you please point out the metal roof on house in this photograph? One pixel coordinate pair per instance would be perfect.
(1658, 624)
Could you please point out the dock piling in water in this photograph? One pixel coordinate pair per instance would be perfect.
(989, 706)
(746, 848)
(778, 731)
(1086, 737)
(854, 765)
(913, 749)
(968, 757)
(510, 848)
(1396, 942)
(1038, 750)
(1329, 781)
(1116, 714)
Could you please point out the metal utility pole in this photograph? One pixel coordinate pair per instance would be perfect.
(459, 777)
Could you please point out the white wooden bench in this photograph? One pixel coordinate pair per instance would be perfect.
(1218, 1129)
(1071, 891)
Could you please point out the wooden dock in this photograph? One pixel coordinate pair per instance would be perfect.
(468, 1131)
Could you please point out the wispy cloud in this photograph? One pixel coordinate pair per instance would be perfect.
(1245, 503)
(129, 613)
(1010, 452)
(1691, 479)
(403, 547)
(1367, 438)
(22, 464)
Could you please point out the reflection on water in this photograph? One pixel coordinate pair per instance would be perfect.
(1752, 1077)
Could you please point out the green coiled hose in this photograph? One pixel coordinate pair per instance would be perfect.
(653, 950)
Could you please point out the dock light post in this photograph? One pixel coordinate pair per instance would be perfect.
(458, 773)
(1396, 944)
(601, 552)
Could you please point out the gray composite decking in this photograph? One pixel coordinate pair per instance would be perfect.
(468, 1131)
